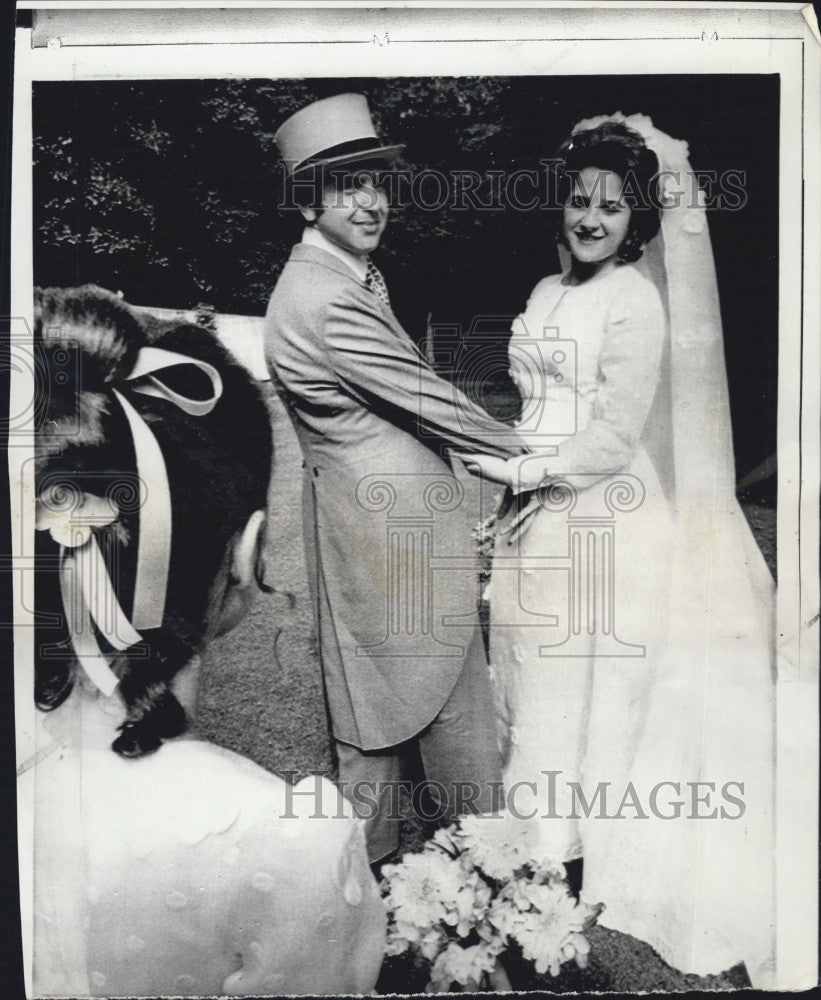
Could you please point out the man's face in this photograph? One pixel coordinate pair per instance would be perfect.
(353, 213)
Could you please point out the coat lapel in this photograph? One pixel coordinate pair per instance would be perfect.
(306, 252)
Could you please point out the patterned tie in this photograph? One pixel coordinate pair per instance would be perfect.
(376, 283)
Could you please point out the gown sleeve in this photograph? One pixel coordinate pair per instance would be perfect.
(384, 368)
(629, 367)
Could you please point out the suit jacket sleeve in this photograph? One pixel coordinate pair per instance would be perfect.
(382, 366)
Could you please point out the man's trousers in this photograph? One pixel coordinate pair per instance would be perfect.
(460, 756)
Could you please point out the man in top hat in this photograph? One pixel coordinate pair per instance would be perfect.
(391, 560)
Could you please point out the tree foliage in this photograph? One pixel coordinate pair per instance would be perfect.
(167, 191)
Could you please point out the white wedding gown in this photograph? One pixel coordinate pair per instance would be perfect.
(630, 639)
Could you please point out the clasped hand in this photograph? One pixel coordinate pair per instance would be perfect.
(489, 467)
(499, 470)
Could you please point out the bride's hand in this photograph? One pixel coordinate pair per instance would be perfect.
(489, 467)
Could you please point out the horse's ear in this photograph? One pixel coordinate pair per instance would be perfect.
(96, 323)
(85, 338)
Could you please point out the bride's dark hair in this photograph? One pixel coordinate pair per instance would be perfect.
(218, 469)
(613, 146)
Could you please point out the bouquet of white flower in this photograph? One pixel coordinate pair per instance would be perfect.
(475, 888)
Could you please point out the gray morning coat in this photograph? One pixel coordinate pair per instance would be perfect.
(391, 563)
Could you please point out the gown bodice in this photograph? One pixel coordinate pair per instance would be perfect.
(587, 359)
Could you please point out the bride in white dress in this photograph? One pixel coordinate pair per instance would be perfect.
(631, 637)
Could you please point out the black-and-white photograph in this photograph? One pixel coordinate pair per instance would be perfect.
(407, 489)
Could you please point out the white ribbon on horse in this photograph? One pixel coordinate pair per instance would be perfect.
(87, 590)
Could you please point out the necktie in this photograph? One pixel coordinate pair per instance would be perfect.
(376, 283)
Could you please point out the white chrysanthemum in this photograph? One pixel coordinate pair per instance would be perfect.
(431, 943)
(548, 930)
(432, 888)
(506, 916)
(440, 896)
(461, 965)
(499, 844)
(419, 888)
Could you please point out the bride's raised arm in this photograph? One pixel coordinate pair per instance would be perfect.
(629, 368)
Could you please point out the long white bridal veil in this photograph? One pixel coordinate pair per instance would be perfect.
(710, 895)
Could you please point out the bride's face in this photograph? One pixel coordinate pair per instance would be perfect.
(596, 216)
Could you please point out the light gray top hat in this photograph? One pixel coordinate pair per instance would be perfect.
(335, 131)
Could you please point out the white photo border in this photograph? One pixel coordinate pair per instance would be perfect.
(467, 39)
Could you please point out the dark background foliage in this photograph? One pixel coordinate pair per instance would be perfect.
(167, 191)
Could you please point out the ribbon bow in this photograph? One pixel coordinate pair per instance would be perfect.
(86, 588)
